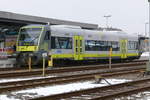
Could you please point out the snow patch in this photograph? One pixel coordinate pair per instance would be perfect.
(5, 97)
(56, 89)
(145, 54)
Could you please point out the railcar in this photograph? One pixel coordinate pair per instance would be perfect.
(72, 43)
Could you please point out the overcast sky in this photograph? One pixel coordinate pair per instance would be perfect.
(129, 15)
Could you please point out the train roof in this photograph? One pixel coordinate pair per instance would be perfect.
(66, 26)
(78, 30)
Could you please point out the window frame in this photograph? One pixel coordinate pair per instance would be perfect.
(58, 45)
(99, 45)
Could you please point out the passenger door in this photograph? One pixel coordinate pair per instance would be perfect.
(123, 48)
(78, 47)
(47, 39)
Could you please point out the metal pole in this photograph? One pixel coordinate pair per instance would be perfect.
(149, 30)
(148, 63)
(110, 54)
(29, 63)
(43, 66)
(107, 20)
(146, 29)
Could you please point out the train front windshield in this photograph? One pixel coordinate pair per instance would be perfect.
(29, 36)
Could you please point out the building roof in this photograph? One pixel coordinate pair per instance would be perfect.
(28, 19)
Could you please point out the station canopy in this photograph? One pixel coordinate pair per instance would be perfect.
(10, 24)
(20, 19)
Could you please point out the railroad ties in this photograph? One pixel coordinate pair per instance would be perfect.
(68, 75)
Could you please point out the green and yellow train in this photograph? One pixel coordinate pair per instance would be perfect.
(69, 43)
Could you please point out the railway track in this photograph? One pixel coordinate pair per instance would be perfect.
(102, 93)
(26, 68)
(18, 85)
(11, 69)
(36, 72)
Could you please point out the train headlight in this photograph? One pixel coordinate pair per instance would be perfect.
(31, 54)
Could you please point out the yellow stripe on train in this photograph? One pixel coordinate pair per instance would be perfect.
(92, 55)
(27, 48)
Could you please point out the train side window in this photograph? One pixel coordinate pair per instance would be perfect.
(129, 45)
(97, 45)
(135, 45)
(109, 45)
(69, 43)
(86, 45)
(53, 42)
(92, 45)
(132, 45)
(61, 42)
(47, 35)
(115, 46)
(57, 45)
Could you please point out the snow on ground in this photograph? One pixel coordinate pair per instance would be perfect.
(21, 79)
(4, 97)
(49, 90)
(139, 96)
(145, 56)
